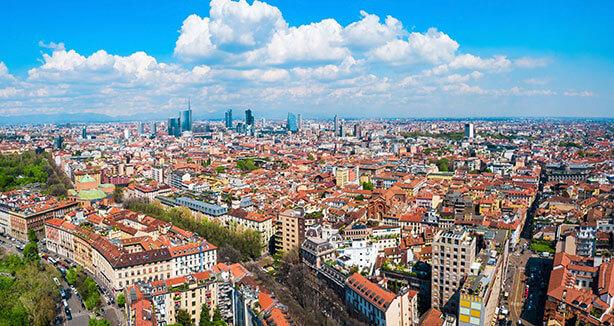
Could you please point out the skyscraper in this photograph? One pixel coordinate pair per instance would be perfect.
(336, 124)
(84, 132)
(291, 123)
(299, 122)
(173, 127)
(58, 142)
(154, 130)
(249, 118)
(141, 128)
(186, 119)
(357, 131)
(469, 132)
(228, 119)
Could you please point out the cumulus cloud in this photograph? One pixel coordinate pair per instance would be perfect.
(369, 32)
(248, 53)
(431, 47)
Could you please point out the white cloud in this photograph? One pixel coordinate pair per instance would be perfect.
(528, 62)
(468, 61)
(195, 39)
(575, 93)
(369, 32)
(431, 47)
(314, 42)
(537, 81)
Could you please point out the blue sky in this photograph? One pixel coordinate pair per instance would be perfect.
(354, 58)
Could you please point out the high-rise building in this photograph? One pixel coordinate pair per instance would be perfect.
(299, 122)
(291, 123)
(186, 119)
(84, 132)
(357, 131)
(469, 132)
(336, 124)
(228, 119)
(249, 118)
(263, 122)
(141, 128)
(341, 130)
(154, 130)
(58, 142)
(290, 229)
(173, 127)
(126, 133)
(454, 251)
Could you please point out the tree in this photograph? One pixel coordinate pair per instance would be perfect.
(442, 164)
(32, 236)
(205, 317)
(228, 255)
(183, 318)
(121, 300)
(30, 253)
(311, 157)
(220, 169)
(118, 194)
(367, 186)
(217, 315)
(102, 322)
(71, 276)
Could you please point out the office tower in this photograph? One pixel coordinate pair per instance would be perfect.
(126, 133)
(263, 123)
(336, 124)
(228, 119)
(140, 128)
(291, 123)
(469, 132)
(84, 132)
(299, 122)
(173, 127)
(154, 130)
(249, 118)
(454, 251)
(341, 130)
(357, 131)
(186, 119)
(58, 142)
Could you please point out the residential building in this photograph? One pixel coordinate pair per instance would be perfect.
(290, 229)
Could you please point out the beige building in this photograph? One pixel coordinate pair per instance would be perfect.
(454, 251)
(260, 223)
(290, 231)
(189, 292)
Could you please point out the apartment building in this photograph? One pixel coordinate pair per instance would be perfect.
(290, 229)
(188, 292)
(25, 210)
(193, 257)
(378, 306)
(479, 295)
(454, 251)
(146, 192)
(317, 251)
(260, 223)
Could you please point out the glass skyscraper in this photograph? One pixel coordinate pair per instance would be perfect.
(173, 127)
(291, 123)
(228, 119)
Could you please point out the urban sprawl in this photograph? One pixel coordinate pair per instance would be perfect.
(246, 221)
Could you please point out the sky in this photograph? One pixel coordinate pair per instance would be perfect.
(357, 59)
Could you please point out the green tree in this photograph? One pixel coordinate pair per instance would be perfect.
(118, 194)
(220, 169)
(367, 186)
(311, 157)
(205, 317)
(30, 253)
(217, 315)
(183, 318)
(32, 236)
(71, 276)
(121, 299)
(442, 164)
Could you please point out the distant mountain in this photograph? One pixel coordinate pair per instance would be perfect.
(64, 118)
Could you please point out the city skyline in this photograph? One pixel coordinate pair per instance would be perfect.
(356, 60)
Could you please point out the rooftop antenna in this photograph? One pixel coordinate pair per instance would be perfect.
(189, 103)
